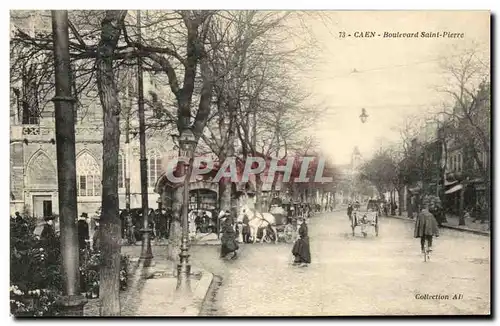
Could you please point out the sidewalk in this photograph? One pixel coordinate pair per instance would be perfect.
(470, 226)
(452, 223)
(152, 292)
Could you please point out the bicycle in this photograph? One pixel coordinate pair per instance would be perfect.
(427, 252)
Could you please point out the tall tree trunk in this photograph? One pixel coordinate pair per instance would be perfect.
(224, 194)
(225, 184)
(258, 194)
(175, 232)
(487, 189)
(400, 200)
(110, 221)
(461, 210)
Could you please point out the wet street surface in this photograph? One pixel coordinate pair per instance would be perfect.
(383, 275)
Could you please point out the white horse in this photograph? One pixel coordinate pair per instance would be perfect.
(257, 220)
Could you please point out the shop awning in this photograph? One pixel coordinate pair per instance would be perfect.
(448, 183)
(454, 189)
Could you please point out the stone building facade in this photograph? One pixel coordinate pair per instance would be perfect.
(33, 167)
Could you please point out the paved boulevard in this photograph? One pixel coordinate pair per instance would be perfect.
(353, 275)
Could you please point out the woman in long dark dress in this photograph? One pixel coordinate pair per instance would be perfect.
(301, 249)
(228, 239)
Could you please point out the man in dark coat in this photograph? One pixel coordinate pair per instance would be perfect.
(228, 239)
(48, 233)
(426, 226)
(301, 249)
(19, 218)
(349, 211)
(83, 231)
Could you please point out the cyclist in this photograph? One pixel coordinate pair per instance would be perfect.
(426, 225)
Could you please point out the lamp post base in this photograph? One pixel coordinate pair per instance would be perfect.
(146, 258)
(184, 269)
(71, 306)
(183, 278)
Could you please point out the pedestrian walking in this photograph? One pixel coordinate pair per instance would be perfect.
(96, 237)
(19, 218)
(301, 250)
(426, 225)
(228, 239)
(131, 238)
(83, 231)
(48, 234)
(349, 211)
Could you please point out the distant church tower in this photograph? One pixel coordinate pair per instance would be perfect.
(355, 159)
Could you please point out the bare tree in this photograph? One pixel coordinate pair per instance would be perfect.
(469, 88)
(110, 222)
(175, 44)
(94, 50)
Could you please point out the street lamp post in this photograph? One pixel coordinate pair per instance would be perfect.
(127, 152)
(363, 117)
(71, 302)
(187, 145)
(146, 252)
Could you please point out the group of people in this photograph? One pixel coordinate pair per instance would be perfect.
(48, 233)
(159, 222)
(84, 232)
(301, 249)
(204, 223)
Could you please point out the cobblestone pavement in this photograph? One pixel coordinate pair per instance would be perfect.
(353, 275)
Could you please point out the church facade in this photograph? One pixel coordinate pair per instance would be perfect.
(33, 167)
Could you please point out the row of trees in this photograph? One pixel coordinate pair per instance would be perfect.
(231, 77)
(463, 123)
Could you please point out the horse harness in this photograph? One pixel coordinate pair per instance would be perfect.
(261, 220)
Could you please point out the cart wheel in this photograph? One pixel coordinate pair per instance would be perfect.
(270, 236)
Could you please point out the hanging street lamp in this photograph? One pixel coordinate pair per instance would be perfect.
(363, 116)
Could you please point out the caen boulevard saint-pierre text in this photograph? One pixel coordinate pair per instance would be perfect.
(417, 34)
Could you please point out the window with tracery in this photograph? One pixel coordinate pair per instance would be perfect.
(88, 176)
(154, 168)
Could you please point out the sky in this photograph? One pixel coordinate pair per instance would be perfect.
(395, 77)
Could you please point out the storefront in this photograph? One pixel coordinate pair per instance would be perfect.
(203, 196)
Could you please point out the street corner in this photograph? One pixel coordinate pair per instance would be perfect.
(160, 297)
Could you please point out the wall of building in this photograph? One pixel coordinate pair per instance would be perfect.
(33, 164)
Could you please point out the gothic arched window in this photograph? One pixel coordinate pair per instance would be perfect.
(88, 176)
(154, 168)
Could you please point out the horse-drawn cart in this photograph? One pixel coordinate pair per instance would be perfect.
(368, 219)
(269, 227)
